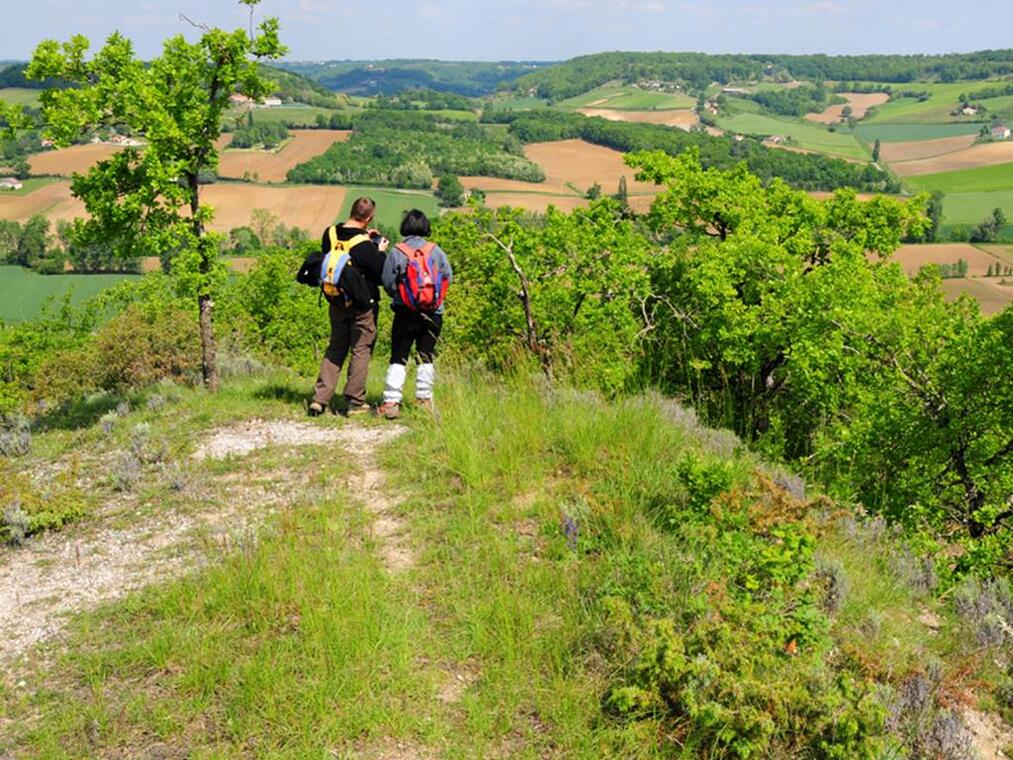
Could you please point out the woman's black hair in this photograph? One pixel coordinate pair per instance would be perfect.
(415, 223)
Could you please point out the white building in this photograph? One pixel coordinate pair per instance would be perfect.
(9, 183)
(1000, 132)
(271, 102)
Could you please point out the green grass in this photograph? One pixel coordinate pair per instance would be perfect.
(297, 644)
(628, 98)
(518, 103)
(391, 204)
(942, 100)
(30, 185)
(20, 96)
(912, 132)
(808, 136)
(454, 115)
(23, 293)
(971, 208)
(298, 115)
(996, 177)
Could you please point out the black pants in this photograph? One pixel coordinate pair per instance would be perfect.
(414, 329)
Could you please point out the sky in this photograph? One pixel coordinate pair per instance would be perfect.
(544, 30)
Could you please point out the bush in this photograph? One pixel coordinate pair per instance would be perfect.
(26, 509)
(15, 435)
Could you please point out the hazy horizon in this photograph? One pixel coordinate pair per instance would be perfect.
(545, 31)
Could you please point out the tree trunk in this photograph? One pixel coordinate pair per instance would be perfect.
(209, 360)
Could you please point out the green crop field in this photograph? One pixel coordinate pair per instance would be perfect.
(809, 136)
(30, 185)
(391, 204)
(447, 113)
(518, 103)
(20, 96)
(942, 100)
(290, 114)
(912, 132)
(24, 293)
(628, 98)
(971, 208)
(981, 179)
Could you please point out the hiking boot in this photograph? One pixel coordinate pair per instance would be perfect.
(357, 410)
(390, 410)
(425, 404)
(315, 410)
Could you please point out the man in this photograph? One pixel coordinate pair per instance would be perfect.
(353, 326)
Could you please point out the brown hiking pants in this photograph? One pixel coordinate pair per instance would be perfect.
(352, 332)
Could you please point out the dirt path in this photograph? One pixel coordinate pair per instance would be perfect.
(74, 570)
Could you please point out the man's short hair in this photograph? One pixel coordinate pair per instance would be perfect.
(363, 209)
(415, 223)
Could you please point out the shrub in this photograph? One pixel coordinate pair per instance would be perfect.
(28, 509)
(15, 435)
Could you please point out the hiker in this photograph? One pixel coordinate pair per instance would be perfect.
(351, 283)
(416, 275)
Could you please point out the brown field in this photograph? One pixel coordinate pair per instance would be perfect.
(534, 201)
(67, 161)
(682, 118)
(914, 257)
(270, 166)
(574, 162)
(992, 297)
(976, 156)
(309, 207)
(53, 201)
(1002, 252)
(912, 151)
(860, 104)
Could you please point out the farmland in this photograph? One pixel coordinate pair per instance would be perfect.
(20, 96)
(893, 152)
(889, 133)
(23, 293)
(390, 204)
(626, 97)
(913, 257)
(986, 156)
(273, 166)
(682, 118)
(66, 162)
(52, 200)
(860, 103)
(997, 177)
(840, 144)
(991, 296)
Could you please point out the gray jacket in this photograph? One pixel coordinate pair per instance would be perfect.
(396, 265)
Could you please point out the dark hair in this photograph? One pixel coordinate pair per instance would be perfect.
(363, 209)
(415, 223)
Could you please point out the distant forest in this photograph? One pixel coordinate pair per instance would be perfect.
(698, 70)
(471, 79)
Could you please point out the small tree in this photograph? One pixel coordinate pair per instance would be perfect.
(21, 169)
(148, 201)
(875, 150)
(263, 222)
(622, 194)
(450, 191)
(593, 192)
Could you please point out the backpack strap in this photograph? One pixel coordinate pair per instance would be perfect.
(408, 251)
(355, 240)
(332, 235)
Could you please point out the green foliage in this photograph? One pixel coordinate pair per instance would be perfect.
(990, 229)
(422, 99)
(572, 302)
(450, 191)
(266, 135)
(795, 102)
(699, 70)
(406, 149)
(26, 509)
(176, 102)
(295, 88)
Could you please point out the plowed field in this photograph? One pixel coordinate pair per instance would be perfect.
(67, 161)
(682, 118)
(920, 149)
(271, 166)
(974, 157)
(860, 103)
(914, 257)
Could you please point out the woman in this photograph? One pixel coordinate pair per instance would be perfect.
(416, 274)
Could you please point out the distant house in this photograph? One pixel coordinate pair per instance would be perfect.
(969, 110)
(775, 140)
(271, 102)
(240, 100)
(734, 91)
(126, 142)
(9, 183)
(1000, 132)
(47, 143)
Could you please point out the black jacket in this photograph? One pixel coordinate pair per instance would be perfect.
(366, 257)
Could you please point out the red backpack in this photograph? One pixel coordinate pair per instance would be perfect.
(423, 286)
